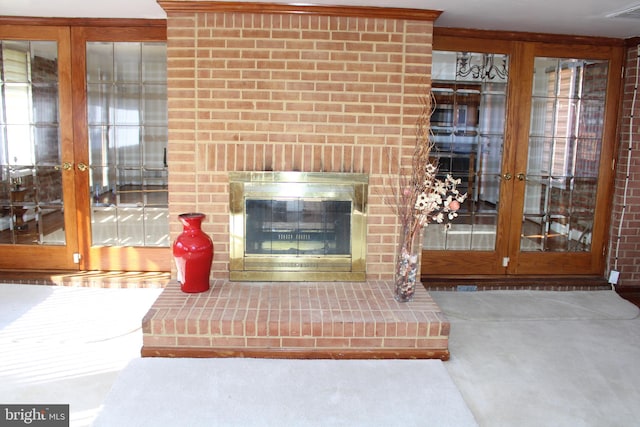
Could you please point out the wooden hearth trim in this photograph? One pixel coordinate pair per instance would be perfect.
(276, 353)
(171, 6)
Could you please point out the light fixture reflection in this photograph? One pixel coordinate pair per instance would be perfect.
(489, 69)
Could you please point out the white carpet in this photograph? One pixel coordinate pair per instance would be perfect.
(63, 345)
(268, 392)
(518, 358)
(66, 315)
(516, 306)
(536, 358)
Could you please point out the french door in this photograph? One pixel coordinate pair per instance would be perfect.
(120, 136)
(530, 128)
(563, 175)
(83, 128)
(37, 176)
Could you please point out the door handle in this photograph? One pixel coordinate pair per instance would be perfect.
(82, 167)
(67, 166)
(521, 177)
(507, 176)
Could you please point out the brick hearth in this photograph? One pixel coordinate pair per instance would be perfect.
(295, 320)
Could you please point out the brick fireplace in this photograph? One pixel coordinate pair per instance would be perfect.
(265, 87)
(291, 92)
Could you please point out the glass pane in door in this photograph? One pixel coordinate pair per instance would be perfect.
(31, 202)
(468, 120)
(298, 227)
(565, 140)
(127, 113)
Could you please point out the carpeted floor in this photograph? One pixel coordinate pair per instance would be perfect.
(63, 345)
(532, 358)
(268, 392)
(519, 358)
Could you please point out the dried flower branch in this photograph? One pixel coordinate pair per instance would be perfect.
(421, 197)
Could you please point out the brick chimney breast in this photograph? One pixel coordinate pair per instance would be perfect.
(265, 87)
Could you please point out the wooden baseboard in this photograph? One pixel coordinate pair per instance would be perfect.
(96, 279)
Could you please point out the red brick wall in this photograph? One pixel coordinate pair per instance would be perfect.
(625, 238)
(270, 92)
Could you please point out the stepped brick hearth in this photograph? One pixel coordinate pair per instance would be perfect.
(295, 320)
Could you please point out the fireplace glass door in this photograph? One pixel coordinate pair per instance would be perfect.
(298, 227)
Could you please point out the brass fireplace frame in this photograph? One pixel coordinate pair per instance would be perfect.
(351, 187)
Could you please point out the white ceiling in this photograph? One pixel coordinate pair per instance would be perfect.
(575, 17)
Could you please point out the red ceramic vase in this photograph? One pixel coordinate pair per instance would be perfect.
(193, 254)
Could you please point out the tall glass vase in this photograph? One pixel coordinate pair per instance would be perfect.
(407, 267)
